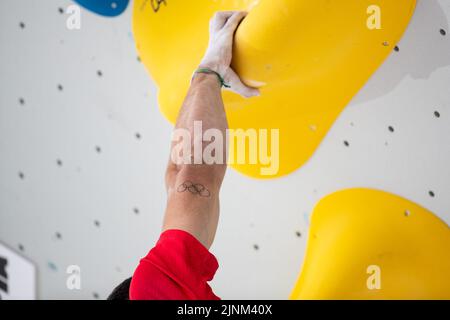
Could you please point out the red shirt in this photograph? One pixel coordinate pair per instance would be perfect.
(177, 268)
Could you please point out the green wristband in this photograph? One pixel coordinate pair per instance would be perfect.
(209, 71)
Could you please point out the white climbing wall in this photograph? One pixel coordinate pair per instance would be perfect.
(83, 150)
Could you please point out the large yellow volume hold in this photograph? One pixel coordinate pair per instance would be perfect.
(369, 244)
(309, 59)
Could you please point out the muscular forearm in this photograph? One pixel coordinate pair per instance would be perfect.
(193, 184)
(196, 186)
(203, 105)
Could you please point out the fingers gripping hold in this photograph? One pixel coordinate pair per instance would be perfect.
(234, 21)
(219, 20)
(219, 54)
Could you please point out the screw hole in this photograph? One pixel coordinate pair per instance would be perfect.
(346, 143)
(298, 234)
(391, 128)
(437, 114)
(431, 193)
(21, 175)
(407, 213)
(256, 247)
(22, 25)
(52, 266)
(443, 32)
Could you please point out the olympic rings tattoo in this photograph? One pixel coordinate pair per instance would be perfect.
(194, 188)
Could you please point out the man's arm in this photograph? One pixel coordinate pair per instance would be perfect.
(193, 189)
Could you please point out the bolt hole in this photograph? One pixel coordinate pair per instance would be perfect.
(52, 266)
(407, 213)
(58, 235)
(98, 149)
(99, 73)
(21, 175)
(256, 247)
(346, 143)
(60, 87)
(437, 114)
(136, 210)
(138, 136)
(443, 32)
(397, 49)
(59, 162)
(97, 223)
(22, 25)
(21, 247)
(391, 128)
(298, 234)
(431, 193)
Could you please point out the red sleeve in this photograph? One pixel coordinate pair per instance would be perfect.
(177, 268)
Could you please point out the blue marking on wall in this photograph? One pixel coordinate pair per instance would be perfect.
(106, 8)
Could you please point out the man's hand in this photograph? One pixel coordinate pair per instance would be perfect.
(220, 51)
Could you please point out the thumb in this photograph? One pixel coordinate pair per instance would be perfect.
(238, 87)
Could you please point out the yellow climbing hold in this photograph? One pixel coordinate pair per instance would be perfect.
(309, 58)
(368, 244)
